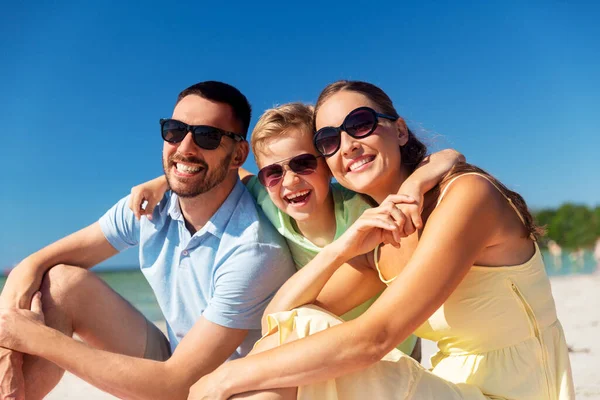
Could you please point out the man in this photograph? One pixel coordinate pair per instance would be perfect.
(212, 259)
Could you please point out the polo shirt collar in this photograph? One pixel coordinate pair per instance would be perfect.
(217, 223)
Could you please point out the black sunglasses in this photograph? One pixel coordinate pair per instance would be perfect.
(304, 164)
(359, 123)
(205, 136)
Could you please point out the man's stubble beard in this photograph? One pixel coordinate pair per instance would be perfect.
(210, 179)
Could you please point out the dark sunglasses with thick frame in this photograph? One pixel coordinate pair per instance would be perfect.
(359, 123)
(303, 164)
(205, 136)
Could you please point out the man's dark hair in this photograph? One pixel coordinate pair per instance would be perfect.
(223, 93)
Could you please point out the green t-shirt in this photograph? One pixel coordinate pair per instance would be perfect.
(348, 205)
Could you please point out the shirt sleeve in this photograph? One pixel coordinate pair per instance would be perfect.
(120, 227)
(261, 196)
(246, 283)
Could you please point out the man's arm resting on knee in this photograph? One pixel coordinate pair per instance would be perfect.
(202, 350)
(84, 248)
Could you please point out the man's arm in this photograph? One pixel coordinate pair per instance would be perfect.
(203, 349)
(84, 248)
(243, 285)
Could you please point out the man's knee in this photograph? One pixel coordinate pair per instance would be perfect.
(62, 281)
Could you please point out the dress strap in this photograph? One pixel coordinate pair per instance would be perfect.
(376, 261)
(494, 184)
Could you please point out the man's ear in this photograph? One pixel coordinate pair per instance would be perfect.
(402, 131)
(240, 154)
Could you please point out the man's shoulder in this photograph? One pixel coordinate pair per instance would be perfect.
(249, 224)
(162, 213)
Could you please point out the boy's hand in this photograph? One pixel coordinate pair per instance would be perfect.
(382, 224)
(146, 196)
(408, 205)
(428, 174)
(412, 211)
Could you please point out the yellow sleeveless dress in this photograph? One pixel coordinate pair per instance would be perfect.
(497, 334)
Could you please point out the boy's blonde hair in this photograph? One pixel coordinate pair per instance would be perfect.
(278, 121)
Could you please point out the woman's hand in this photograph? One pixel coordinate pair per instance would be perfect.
(382, 224)
(151, 193)
(209, 387)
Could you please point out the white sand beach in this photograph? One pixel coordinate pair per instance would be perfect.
(577, 299)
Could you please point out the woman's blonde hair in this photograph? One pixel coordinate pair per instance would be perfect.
(278, 122)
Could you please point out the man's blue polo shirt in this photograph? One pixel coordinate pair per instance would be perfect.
(227, 272)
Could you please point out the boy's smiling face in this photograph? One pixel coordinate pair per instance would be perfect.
(296, 195)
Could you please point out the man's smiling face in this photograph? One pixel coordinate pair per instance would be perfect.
(191, 170)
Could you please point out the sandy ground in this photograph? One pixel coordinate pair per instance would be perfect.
(577, 301)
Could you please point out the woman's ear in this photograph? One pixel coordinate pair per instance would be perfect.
(402, 131)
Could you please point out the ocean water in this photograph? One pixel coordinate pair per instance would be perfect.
(132, 285)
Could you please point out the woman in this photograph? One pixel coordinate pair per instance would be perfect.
(472, 280)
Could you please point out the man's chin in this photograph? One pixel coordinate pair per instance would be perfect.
(186, 192)
(185, 187)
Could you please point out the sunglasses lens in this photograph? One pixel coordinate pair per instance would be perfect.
(206, 137)
(327, 141)
(173, 131)
(303, 164)
(360, 123)
(270, 175)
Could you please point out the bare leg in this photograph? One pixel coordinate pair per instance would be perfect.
(12, 385)
(270, 342)
(77, 301)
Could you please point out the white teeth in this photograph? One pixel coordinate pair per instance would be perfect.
(186, 168)
(360, 163)
(297, 194)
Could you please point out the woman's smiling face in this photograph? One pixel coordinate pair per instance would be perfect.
(361, 164)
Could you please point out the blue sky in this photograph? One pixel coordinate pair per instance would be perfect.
(513, 85)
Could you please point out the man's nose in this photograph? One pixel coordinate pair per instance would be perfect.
(187, 145)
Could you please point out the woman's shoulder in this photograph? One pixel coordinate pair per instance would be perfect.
(470, 183)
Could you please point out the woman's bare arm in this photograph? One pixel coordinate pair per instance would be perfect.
(456, 232)
(346, 258)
